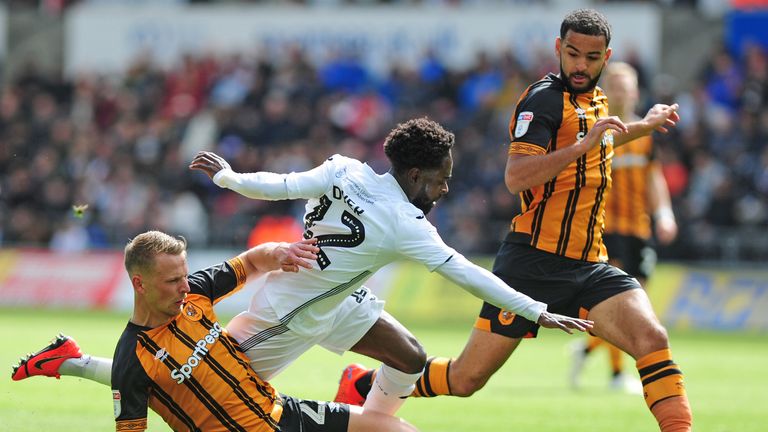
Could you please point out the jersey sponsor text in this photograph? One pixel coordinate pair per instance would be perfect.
(201, 349)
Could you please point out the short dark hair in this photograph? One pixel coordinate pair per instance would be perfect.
(418, 143)
(588, 22)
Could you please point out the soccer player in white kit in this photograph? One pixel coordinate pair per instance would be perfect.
(362, 221)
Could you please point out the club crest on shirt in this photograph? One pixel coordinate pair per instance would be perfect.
(192, 312)
(116, 402)
(506, 317)
(523, 121)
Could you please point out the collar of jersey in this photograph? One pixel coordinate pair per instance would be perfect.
(389, 178)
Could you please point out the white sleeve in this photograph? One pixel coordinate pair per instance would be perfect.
(418, 240)
(271, 186)
(487, 286)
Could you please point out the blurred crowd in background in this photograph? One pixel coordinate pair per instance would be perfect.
(121, 144)
(56, 6)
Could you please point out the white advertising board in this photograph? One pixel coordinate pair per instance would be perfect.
(106, 39)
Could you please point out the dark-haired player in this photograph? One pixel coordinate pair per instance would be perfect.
(362, 221)
(639, 193)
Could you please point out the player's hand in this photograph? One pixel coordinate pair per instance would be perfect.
(291, 256)
(666, 230)
(595, 135)
(564, 323)
(661, 116)
(209, 163)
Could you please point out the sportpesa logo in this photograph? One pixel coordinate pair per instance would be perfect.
(201, 350)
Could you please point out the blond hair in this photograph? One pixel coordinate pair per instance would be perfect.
(620, 68)
(140, 252)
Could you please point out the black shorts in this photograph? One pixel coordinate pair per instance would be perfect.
(632, 254)
(568, 286)
(313, 416)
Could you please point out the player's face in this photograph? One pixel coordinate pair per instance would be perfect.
(582, 58)
(622, 92)
(433, 184)
(166, 286)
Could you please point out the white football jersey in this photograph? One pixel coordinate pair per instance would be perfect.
(362, 221)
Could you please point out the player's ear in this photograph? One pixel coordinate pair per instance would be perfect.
(558, 46)
(608, 53)
(414, 174)
(138, 284)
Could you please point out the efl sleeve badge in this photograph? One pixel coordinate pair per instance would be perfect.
(523, 121)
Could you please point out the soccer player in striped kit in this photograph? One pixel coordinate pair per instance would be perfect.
(175, 357)
(638, 195)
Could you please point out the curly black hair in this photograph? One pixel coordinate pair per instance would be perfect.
(418, 143)
(588, 22)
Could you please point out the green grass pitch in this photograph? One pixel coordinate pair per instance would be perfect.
(725, 372)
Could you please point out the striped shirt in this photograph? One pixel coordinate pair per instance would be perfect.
(190, 371)
(565, 215)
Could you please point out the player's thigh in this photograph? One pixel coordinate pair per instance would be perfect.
(628, 321)
(313, 416)
(360, 421)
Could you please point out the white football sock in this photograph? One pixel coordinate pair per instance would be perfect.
(389, 390)
(97, 369)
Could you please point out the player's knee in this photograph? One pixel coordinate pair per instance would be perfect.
(658, 337)
(466, 385)
(651, 339)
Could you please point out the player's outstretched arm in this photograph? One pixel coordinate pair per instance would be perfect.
(286, 256)
(260, 185)
(264, 185)
(659, 118)
(487, 286)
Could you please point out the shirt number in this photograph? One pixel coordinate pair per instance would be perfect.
(354, 238)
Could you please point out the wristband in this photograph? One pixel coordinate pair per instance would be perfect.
(663, 213)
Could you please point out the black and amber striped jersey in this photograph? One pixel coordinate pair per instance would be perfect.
(627, 209)
(190, 371)
(565, 215)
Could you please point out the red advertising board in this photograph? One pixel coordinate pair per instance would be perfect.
(44, 278)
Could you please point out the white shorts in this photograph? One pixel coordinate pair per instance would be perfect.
(272, 346)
